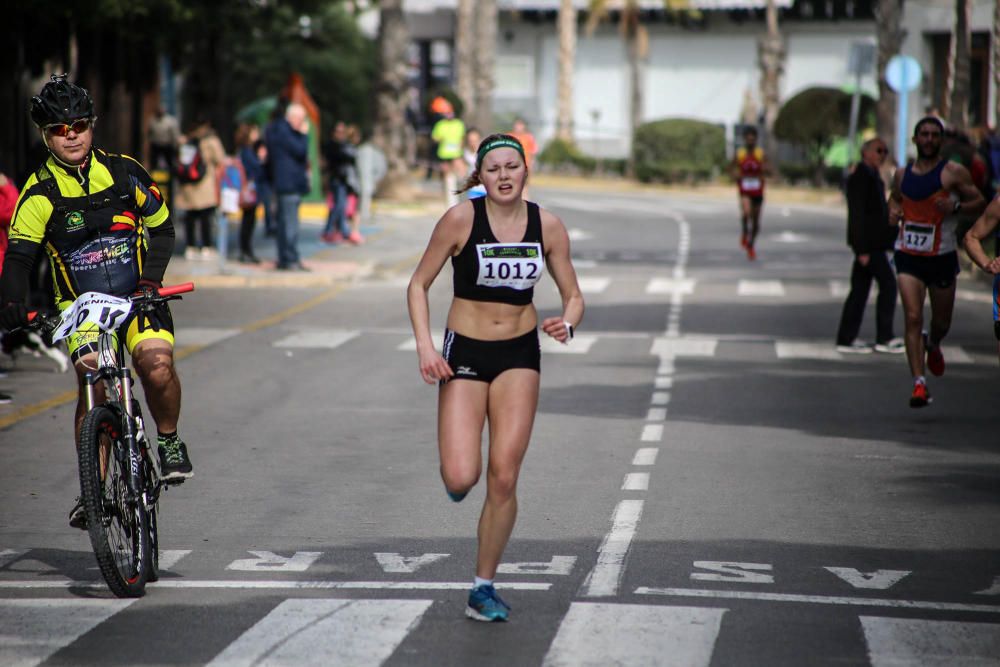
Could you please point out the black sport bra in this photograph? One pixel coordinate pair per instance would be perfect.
(487, 270)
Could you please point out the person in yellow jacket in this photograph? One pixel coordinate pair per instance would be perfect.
(449, 134)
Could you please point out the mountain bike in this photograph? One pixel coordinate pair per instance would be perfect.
(120, 481)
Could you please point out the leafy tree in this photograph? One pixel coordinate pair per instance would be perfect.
(815, 117)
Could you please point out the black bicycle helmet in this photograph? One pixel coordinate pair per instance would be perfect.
(60, 102)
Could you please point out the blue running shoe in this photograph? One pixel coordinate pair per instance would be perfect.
(457, 497)
(486, 605)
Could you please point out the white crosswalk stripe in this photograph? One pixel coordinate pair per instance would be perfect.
(760, 288)
(31, 630)
(325, 632)
(893, 642)
(601, 634)
(318, 338)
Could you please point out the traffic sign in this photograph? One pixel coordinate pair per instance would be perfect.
(903, 73)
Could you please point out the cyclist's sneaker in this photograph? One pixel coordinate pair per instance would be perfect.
(935, 360)
(78, 516)
(175, 466)
(486, 605)
(920, 396)
(891, 346)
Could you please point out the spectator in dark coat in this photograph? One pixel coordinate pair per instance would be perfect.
(870, 236)
(288, 154)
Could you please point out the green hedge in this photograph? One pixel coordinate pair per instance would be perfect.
(679, 149)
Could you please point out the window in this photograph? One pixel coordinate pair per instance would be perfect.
(515, 76)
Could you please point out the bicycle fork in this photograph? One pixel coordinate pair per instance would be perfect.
(122, 377)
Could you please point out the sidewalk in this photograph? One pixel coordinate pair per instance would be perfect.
(389, 243)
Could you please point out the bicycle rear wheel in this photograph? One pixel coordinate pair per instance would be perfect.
(118, 523)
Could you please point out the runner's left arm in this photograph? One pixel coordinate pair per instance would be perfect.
(560, 266)
(970, 200)
(984, 226)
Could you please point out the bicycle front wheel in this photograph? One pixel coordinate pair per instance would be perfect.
(116, 520)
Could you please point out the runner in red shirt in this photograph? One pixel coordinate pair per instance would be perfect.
(748, 169)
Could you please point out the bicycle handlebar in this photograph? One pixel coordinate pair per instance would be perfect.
(170, 290)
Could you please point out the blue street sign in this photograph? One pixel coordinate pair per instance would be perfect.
(903, 74)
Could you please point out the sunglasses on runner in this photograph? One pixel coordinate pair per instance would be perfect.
(62, 129)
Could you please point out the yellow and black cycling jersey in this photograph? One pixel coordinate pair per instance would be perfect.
(91, 221)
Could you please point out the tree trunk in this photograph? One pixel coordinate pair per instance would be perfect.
(567, 56)
(391, 96)
(465, 45)
(635, 103)
(485, 64)
(771, 57)
(996, 64)
(890, 35)
(959, 72)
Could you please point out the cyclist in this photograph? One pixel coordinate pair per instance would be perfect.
(499, 245)
(927, 198)
(986, 225)
(748, 169)
(89, 210)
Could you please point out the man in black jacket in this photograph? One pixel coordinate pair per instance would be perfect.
(870, 236)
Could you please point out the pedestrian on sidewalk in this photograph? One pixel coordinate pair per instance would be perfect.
(288, 151)
(336, 157)
(870, 237)
(199, 157)
(499, 246)
(8, 200)
(250, 150)
(372, 168)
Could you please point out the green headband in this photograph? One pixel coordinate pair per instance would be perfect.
(499, 142)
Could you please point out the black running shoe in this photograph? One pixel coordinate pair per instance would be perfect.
(175, 466)
(78, 516)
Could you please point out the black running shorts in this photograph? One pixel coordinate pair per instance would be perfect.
(932, 270)
(484, 360)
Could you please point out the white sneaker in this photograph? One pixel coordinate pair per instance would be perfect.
(209, 253)
(891, 346)
(856, 347)
(191, 254)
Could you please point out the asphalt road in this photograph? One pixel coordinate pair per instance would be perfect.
(709, 482)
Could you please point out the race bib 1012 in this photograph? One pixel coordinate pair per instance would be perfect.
(515, 265)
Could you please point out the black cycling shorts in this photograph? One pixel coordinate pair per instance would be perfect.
(484, 360)
(932, 270)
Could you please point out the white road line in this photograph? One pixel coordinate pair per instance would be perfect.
(652, 433)
(592, 284)
(660, 398)
(600, 634)
(685, 346)
(348, 633)
(636, 481)
(670, 286)
(663, 383)
(911, 641)
(760, 288)
(34, 629)
(579, 345)
(818, 599)
(319, 338)
(656, 414)
(278, 585)
(645, 456)
(787, 349)
(605, 578)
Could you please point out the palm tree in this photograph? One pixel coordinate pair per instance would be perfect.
(465, 44)
(771, 58)
(889, 35)
(567, 55)
(391, 96)
(636, 46)
(485, 59)
(959, 70)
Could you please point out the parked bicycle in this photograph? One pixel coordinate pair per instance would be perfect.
(120, 482)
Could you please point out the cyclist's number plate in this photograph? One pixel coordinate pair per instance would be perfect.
(107, 312)
(918, 237)
(515, 265)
